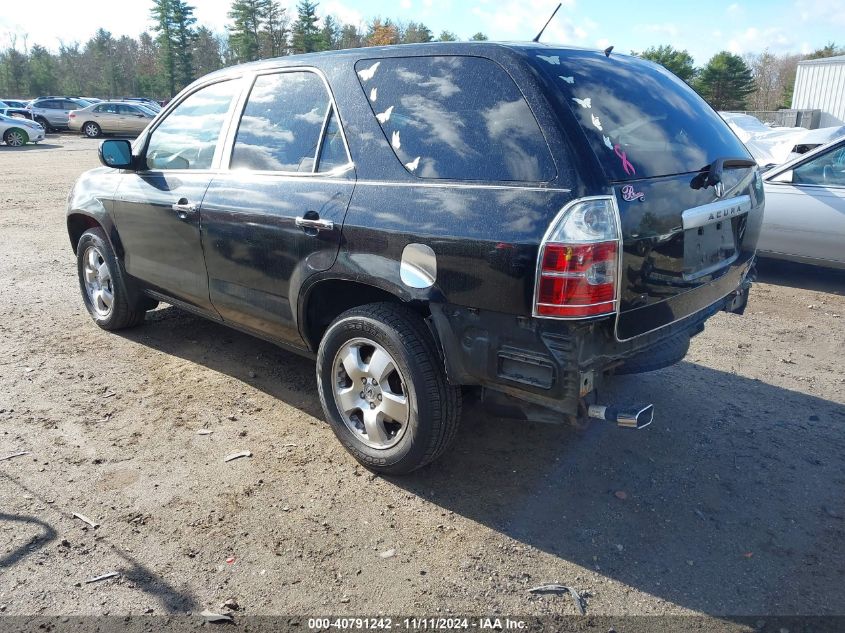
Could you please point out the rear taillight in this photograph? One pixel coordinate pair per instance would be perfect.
(577, 269)
(71, 115)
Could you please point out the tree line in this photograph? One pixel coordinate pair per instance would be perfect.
(757, 81)
(176, 51)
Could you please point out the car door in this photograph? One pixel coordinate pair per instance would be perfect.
(51, 109)
(132, 120)
(107, 117)
(274, 217)
(157, 207)
(805, 208)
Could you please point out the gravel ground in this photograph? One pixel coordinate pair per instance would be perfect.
(731, 503)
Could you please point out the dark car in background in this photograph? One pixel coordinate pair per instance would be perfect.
(14, 103)
(53, 112)
(517, 220)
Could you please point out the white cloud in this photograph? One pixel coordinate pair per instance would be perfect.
(513, 20)
(754, 40)
(406, 4)
(342, 12)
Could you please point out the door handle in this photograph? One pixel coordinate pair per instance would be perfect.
(317, 225)
(183, 208)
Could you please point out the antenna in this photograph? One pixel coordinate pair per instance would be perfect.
(537, 39)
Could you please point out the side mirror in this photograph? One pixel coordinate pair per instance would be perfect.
(116, 153)
(785, 177)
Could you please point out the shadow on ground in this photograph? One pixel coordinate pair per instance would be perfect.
(168, 596)
(732, 501)
(803, 276)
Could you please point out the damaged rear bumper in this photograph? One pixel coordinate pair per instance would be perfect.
(554, 364)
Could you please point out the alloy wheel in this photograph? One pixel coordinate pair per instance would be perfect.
(14, 138)
(370, 393)
(98, 281)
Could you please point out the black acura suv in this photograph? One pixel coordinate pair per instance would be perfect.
(522, 220)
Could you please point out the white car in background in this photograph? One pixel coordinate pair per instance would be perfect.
(18, 132)
(805, 208)
(776, 145)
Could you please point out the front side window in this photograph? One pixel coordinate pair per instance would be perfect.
(456, 117)
(827, 169)
(108, 108)
(188, 135)
(284, 118)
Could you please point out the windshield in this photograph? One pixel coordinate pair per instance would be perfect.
(640, 119)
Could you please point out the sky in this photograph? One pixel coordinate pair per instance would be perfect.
(702, 28)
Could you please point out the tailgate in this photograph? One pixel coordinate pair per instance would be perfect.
(683, 248)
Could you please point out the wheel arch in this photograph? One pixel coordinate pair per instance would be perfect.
(326, 299)
(78, 223)
(17, 129)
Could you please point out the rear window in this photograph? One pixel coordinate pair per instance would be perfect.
(640, 119)
(456, 117)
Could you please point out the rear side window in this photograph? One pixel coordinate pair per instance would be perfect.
(187, 137)
(456, 117)
(109, 108)
(285, 117)
(640, 119)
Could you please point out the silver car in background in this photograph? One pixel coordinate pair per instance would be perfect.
(53, 112)
(805, 208)
(111, 117)
(16, 132)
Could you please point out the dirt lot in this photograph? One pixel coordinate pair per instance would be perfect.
(733, 499)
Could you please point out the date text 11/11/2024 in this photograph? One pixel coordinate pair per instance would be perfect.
(417, 624)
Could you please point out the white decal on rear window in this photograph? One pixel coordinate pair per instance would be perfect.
(596, 122)
(374, 95)
(569, 80)
(607, 142)
(384, 117)
(554, 60)
(396, 142)
(584, 103)
(412, 166)
(369, 73)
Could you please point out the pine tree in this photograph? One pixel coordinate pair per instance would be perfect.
(183, 29)
(305, 34)
(678, 62)
(206, 52)
(329, 34)
(350, 37)
(42, 71)
(725, 82)
(479, 37)
(447, 36)
(274, 34)
(174, 24)
(245, 33)
(162, 14)
(416, 32)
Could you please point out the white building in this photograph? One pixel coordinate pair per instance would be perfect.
(820, 85)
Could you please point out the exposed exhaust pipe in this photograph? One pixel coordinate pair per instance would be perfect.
(636, 417)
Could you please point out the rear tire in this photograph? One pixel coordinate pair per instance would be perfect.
(103, 285)
(44, 123)
(91, 129)
(393, 410)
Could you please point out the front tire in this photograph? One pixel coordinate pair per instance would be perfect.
(103, 285)
(44, 123)
(14, 137)
(384, 390)
(91, 130)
